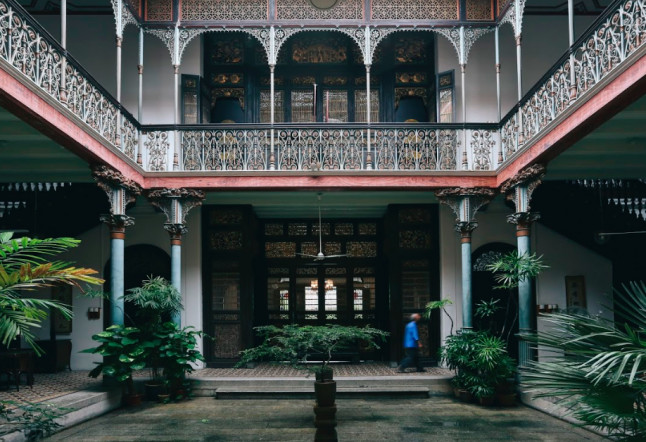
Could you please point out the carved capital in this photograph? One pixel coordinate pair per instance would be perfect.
(519, 188)
(120, 190)
(175, 203)
(465, 202)
(465, 229)
(119, 40)
(117, 224)
(523, 221)
(140, 69)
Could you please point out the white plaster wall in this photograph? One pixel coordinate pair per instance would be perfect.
(94, 252)
(564, 256)
(91, 41)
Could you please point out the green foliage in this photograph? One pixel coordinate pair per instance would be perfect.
(123, 352)
(433, 305)
(25, 266)
(512, 268)
(177, 349)
(155, 298)
(486, 309)
(597, 368)
(480, 360)
(36, 420)
(296, 345)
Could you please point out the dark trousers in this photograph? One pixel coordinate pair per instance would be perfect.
(412, 358)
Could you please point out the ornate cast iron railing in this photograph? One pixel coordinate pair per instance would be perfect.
(325, 147)
(617, 34)
(33, 52)
(29, 51)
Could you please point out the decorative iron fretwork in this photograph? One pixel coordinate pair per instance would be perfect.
(325, 229)
(415, 264)
(520, 187)
(159, 10)
(415, 10)
(124, 16)
(414, 239)
(482, 145)
(344, 229)
(414, 215)
(226, 217)
(367, 229)
(362, 249)
(226, 240)
(274, 229)
(209, 10)
(479, 10)
(309, 248)
(302, 10)
(280, 249)
(297, 229)
(332, 248)
(227, 341)
(157, 147)
(485, 260)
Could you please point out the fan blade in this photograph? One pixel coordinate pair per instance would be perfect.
(336, 256)
(306, 255)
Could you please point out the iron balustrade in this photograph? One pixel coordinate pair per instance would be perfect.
(30, 53)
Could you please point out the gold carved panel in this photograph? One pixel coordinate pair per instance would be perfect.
(312, 50)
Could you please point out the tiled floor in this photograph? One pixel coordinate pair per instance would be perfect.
(49, 386)
(370, 420)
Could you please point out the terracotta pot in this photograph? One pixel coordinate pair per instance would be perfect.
(506, 399)
(162, 398)
(152, 390)
(465, 396)
(132, 400)
(487, 401)
(325, 393)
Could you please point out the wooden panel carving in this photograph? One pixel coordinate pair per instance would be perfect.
(227, 342)
(415, 10)
(479, 10)
(304, 10)
(313, 50)
(209, 10)
(159, 10)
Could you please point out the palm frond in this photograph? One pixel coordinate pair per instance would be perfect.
(27, 277)
(16, 252)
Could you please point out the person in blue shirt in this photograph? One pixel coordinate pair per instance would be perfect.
(411, 345)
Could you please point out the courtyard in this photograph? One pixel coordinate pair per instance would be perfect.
(359, 419)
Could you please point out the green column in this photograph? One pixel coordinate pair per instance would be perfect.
(176, 269)
(117, 240)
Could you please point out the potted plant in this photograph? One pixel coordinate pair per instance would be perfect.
(157, 299)
(123, 352)
(298, 345)
(481, 363)
(177, 352)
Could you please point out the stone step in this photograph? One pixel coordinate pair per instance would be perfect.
(294, 387)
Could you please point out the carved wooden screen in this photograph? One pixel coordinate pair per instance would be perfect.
(302, 106)
(265, 106)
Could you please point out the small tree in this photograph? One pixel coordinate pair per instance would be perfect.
(433, 305)
(296, 345)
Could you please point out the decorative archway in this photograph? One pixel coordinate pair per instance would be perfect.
(141, 261)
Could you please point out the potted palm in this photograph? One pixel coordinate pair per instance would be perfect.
(298, 346)
(123, 352)
(157, 299)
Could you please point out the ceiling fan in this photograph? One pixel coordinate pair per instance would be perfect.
(320, 256)
(603, 237)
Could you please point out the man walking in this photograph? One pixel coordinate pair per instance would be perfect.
(411, 345)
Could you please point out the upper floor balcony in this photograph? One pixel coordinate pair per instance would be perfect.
(319, 99)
